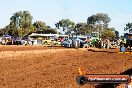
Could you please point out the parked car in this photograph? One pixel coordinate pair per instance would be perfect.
(66, 43)
(48, 42)
(73, 42)
(6, 40)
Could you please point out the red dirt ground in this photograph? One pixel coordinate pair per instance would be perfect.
(55, 67)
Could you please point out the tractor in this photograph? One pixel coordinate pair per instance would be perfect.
(128, 37)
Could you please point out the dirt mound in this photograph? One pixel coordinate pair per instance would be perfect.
(52, 67)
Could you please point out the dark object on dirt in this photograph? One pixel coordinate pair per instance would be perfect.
(81, 80)
(81, 44)
(107, 85)
(17, 43)
(127, 72)
(99, 45)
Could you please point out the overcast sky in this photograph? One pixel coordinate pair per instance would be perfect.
(51, 11)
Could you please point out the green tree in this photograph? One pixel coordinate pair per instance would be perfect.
(51, 30)
(21, 23)
(83, 28)
(21, 19)
(65, 25)
(99, 19)
(116, 34)
(1, 32)
(128, 27)
(107, 34)
(39, 26)
(99, 22)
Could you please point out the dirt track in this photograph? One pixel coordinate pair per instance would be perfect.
(44, 67)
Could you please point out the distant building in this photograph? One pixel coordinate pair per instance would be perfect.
(93, 35)
(38, 38)
(47, 36)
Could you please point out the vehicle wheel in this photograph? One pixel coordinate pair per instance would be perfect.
(65, 46)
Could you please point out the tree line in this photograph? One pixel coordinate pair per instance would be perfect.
(21, 25)
(95, 23)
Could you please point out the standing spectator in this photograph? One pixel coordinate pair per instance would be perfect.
(52, 43)
(96, 43)
(99, 44)
(102, 43)
(123, 43)
(107, 44)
